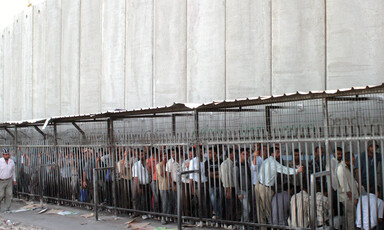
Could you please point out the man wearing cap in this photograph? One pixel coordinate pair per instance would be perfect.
(7, 174)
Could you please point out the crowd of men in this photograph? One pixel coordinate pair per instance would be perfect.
(235, 183)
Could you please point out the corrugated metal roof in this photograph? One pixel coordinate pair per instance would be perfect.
(184, 107)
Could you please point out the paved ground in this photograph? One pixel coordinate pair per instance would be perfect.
(31, 219)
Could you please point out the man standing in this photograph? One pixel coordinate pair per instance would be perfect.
(212, 168)
(367, 162)
(7, 174)
(244, 183)
(142, 181)
(267, 175)
(348, 188)
(227, 176)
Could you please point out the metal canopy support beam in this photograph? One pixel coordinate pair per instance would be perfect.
(83, 138)
(41, 132)
(9, 132)
(78, 128)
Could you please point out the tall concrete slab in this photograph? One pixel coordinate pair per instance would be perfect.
(1, 76)
(16, 90)
(53, 57)
(139, 64)
(26, 44)
(70, 57)
(206, 50)
(90, 56)
(355, 43)
(7, 73)
(297, 46)
(170, 52)
(113, 55)
(248, 48)
(39, 64)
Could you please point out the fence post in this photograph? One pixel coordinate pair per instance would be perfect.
(328, 159)
(18, 161)
(313, 213)
(197, 143)
(95, 200)
(111, 143)
(57, 168)
(179, 201)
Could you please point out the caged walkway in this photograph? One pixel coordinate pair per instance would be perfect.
(129, 161)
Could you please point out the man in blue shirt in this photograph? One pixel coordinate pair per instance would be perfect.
(367, 159)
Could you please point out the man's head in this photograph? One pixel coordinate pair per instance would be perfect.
(319, 152)
(244, 154)
(190, 153)
(230, 153)
(275, 152)
(339, 154)
(6, 154)
(372, 147)
(348, 159)
(141, 155)
(212, 153)
(296, 155)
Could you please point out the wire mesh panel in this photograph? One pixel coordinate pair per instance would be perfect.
(250, 162)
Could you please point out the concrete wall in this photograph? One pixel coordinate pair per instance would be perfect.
(67, 57)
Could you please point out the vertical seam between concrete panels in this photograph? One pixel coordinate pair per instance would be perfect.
(46, 82)
(271, 48)
(3, 75)
(101, 18)
(61, 56)
(325, 47)
(32, 61)
(79, 77)
(153, 53)
(186, 51)
(225, 50)
(125, 52)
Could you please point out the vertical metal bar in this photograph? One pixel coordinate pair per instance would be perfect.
(179, 201)
(313, 213)
(113, 171)
(18, 159)
(328, 159)
(197, 143)
(57, 168)
(95, 195)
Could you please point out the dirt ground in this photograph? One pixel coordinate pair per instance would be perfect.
(25, 215)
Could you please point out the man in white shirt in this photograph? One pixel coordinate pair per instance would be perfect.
(347, 188)
(142, 181)
(173, 167)
(267, 175)
(227, 177)
(194, 181)
(261, 153)
(375, 210)
(7, 175)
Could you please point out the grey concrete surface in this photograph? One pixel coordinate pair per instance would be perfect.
(73, 221)
(65, 57)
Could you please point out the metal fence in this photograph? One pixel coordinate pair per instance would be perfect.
(254, 160)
